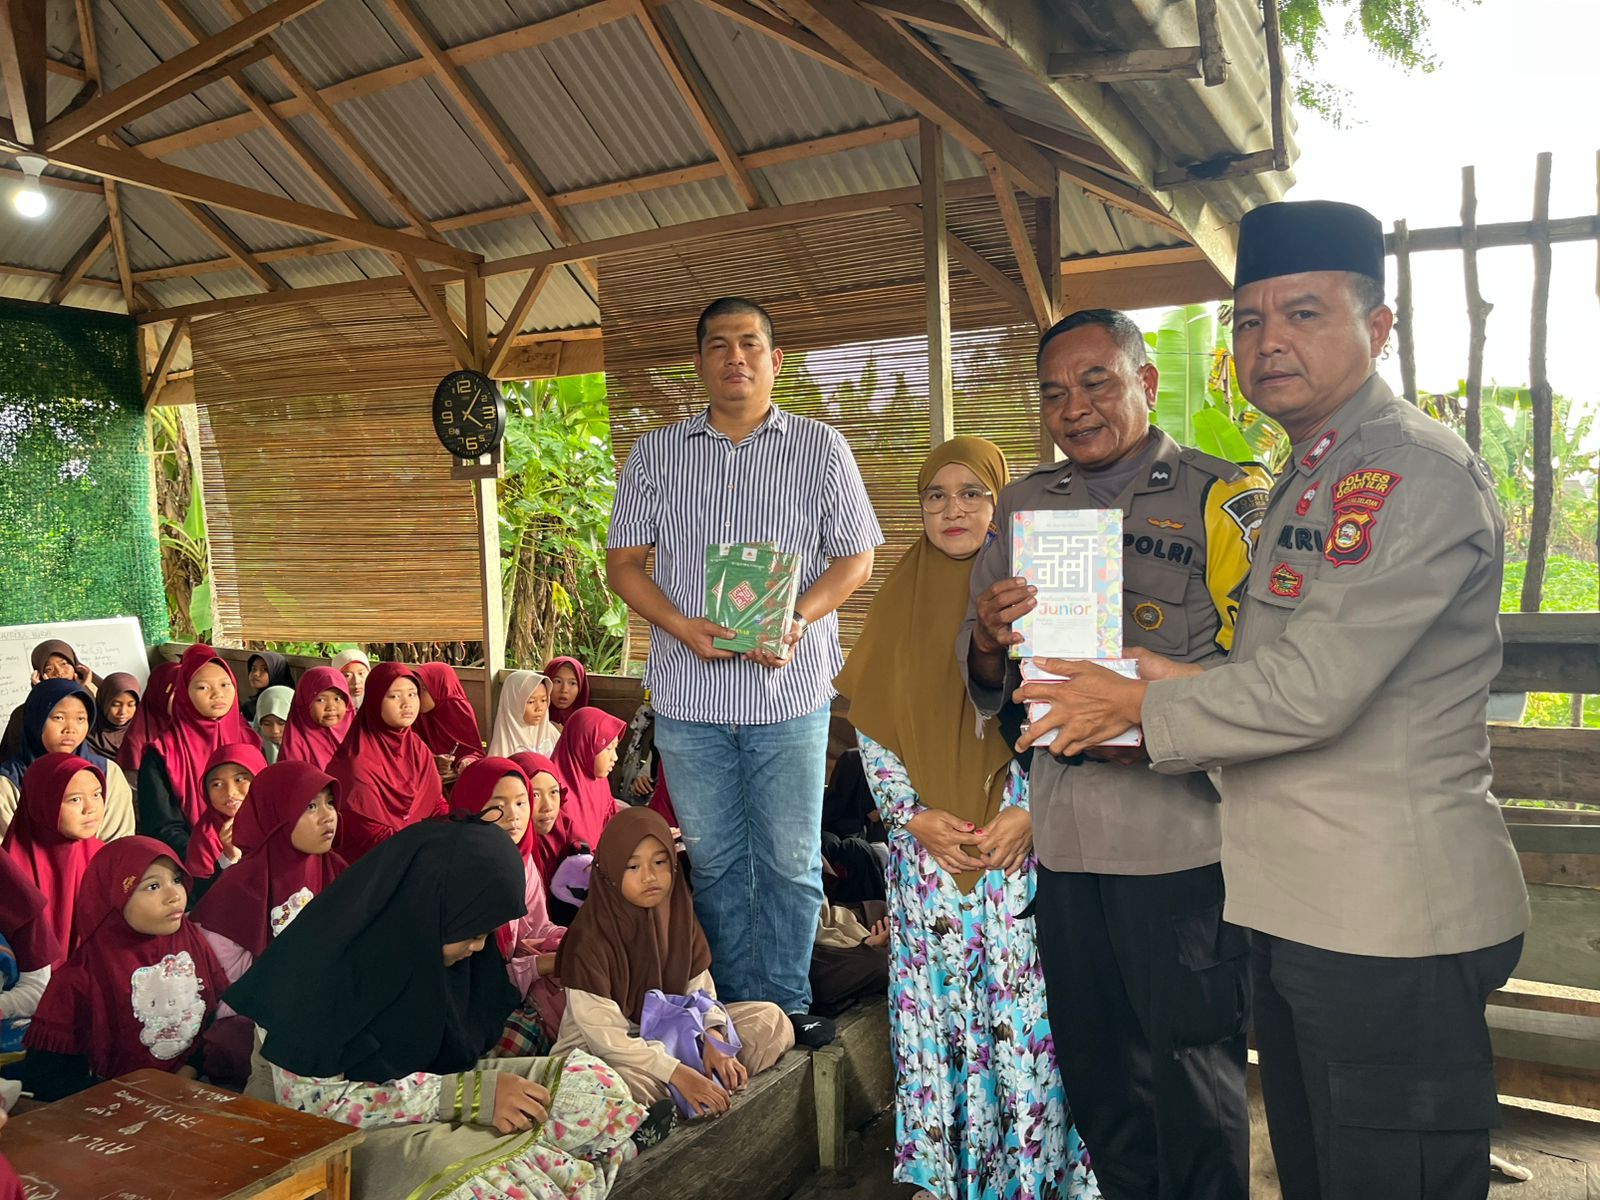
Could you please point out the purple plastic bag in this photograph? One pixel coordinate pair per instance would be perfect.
(679, 1023)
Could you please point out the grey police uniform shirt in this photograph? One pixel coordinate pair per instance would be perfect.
(1346, 733)
(1188, 525)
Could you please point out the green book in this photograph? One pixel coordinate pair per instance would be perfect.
(751, 588)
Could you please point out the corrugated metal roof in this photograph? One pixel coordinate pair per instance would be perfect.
(586, 109)
(49, 242)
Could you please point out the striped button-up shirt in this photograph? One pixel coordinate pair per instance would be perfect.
(792, 481)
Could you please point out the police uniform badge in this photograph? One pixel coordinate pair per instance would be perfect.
(1148, 616)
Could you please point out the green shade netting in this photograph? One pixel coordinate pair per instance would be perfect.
(77, 529)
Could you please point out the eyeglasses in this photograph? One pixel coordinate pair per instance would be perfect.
(968, 498)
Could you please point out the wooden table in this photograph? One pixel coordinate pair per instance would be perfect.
(153, 1136)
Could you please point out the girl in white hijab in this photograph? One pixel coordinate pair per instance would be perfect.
(522, 720)
(354, 665)
(272, 714)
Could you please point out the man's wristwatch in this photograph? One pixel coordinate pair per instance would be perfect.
(800, 624)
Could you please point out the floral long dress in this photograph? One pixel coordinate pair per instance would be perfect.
(980, 1113)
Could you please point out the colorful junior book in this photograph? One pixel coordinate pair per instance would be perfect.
(1074, 558)
(751, 588)
(1133, 736)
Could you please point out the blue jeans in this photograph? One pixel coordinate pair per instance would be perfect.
(749, 802)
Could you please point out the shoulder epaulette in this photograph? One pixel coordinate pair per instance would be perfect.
(1221, 468)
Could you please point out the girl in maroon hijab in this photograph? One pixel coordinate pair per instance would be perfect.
(447, 723)
(319, 718)
(497, 790)
(553, 838)
(569, 687)
(172, 771)
(584, 757)
(386, 775)
(151, 718)
(140, 986)
(52, 840)
(230, 774)
(286, 833)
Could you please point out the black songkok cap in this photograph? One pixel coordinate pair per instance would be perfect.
(1289, 237)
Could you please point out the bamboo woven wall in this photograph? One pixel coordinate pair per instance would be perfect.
(330, 506)
(846, 298)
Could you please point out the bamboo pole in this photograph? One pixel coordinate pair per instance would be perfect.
(1597, 297)
(1477, 309)
(936, 267)
(1408, 342)
(1540, 396)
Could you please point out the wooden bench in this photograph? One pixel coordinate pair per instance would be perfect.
(151, 1134)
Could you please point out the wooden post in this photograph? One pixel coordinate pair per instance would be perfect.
(1407, 334)
(1213, 58)
(485, 493)
(936, 270)
(1047, 251)
(1540, 396)
(476, 307)
(1477, 310)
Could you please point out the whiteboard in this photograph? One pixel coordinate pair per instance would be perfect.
(104, 646)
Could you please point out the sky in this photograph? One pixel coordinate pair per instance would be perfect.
(1515, 77)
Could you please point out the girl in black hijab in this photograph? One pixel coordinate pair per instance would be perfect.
(377, 1004)
(264, 669)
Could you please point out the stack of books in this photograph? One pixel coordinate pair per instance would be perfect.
(751, 588)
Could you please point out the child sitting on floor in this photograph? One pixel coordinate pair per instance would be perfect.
(28, 947)
(229, 773)
(496, 790)
(637, 933)
(56, 836)
(272, 720)
(139, 988)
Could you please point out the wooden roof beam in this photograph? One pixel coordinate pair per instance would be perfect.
(322, 112)
(938, 15)
(127, 166)
(790, 34)
(169, 352)
(116, 225)
(1022, 247)
(1029, 32)
(107, 111)
(78, 266)
(487, 125)
(696, 92)
(22, 62)
(874, 46)
(436, 308)
(238, 254)
(537, 34)
(996, 280)
(526, 299)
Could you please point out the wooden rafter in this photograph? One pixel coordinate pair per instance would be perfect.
(423, 289)
(89, 44)
(54, 277)
(1021, 245)
(537, 34)
(482, 120)
(996, 280)
(22, 62)
(939, 15)
(119, 244)
(107, 111)
(322, 112)
(874, 46)
(526, 299)
(697, 96)
(127, 166)
(1028, 31)
(81, 261)
(238, 254)
(789, 34)
(871, 135)
(180, 88)
(169, 352)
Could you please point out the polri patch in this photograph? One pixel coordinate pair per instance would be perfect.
(1148, 617)
(1286, 582)
(1247, 510)
(1319, 452)
(1350, 539)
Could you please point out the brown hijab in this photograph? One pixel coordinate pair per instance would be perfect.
(905, 689)
(619, 951)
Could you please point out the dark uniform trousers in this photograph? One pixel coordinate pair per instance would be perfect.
(1377, 1072)
(1148, 992)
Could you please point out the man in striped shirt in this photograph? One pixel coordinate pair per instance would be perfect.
(743, 739)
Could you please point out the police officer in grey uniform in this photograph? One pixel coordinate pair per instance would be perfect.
(1346, 733)
(1146, 982)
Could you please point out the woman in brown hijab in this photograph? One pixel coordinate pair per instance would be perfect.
(979, 1109)
(636, 933)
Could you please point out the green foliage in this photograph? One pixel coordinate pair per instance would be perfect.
(1198, 400)
(75, 531)
(1396, 31)
(555, 504)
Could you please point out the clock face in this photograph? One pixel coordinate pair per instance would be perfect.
(469, 415)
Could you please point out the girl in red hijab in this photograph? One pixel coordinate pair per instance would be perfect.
(286, 833)
(553, 838)
(386, 775)
(52, 839)
(140, 985)
(497, 790)
(230, 772)
(447, 722)
(584, 757)
(569, 687)
(150, 719)
(319, 718)
(172, 771)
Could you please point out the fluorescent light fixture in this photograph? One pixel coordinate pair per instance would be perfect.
(29, 199)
